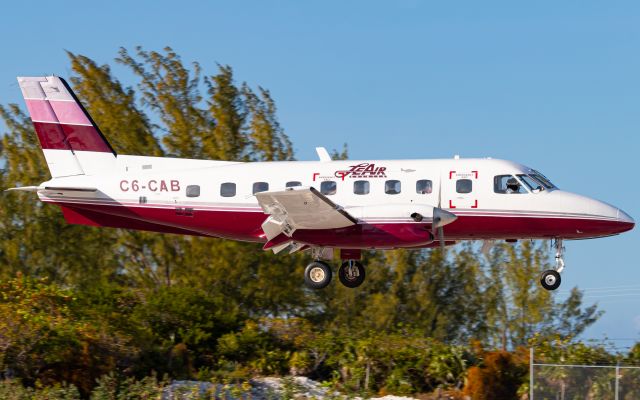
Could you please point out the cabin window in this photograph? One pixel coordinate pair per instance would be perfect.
(328, 187)
(424, 186)
(507, 184)
(228, 189)
(392, 187)
(193, 191)
(361, 187)
(293, 184)
(260, 187)
(464, 185)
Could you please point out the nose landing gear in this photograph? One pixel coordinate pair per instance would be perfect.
(550, 279)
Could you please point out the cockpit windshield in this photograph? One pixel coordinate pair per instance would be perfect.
(542, 179)
(532, 184)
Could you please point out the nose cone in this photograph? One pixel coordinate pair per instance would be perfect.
(625, 220)
(590, 217)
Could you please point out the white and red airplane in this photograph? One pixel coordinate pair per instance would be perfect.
(296, 205)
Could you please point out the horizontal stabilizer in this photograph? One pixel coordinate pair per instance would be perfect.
(53, 189)
(24, 189)
(70, 189)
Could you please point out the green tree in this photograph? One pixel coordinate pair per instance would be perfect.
(520, 307)
(172, 91)
(227, 141)
(44, 337)
(267, 138)
(113, 108)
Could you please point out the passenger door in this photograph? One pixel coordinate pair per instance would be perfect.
(459, 189)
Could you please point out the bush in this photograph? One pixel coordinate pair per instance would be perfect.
(498, 378)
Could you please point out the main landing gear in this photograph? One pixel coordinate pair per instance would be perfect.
(318, 274)
(550, 279)
(351, 273)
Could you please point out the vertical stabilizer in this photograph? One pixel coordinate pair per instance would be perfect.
(71, 141)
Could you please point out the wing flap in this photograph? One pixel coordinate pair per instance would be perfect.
(300, 208)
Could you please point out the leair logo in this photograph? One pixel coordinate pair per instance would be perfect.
(364, 170)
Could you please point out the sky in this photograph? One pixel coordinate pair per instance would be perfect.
(553, 85)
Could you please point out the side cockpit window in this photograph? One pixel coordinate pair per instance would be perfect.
(507, 184)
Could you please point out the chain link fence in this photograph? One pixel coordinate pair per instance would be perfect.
(583, 382)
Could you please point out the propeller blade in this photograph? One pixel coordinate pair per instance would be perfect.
(441, 238)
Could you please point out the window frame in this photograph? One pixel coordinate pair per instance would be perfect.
(430, 186)
(395, 181)
(329, 193)
(191, 187)
(254, 187)
(367, 186)
(523, 185)
(464, 180)
(228, 184)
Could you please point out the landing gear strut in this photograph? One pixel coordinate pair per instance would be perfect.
(351, 273)
(550, 279)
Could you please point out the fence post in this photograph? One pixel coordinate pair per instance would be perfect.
(617, 379)
(531, 374)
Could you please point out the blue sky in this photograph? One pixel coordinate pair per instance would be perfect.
(553, 85)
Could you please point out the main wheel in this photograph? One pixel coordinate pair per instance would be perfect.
(550, 279)
(317, 275)
(351, 273)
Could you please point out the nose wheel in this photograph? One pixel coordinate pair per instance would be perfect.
(550, 279)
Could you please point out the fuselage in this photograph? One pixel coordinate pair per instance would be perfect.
(214, 198)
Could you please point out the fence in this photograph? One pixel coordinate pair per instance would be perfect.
(583, 382)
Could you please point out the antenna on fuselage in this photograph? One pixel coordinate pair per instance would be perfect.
(323, 154)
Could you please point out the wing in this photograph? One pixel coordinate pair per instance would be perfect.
(300, 208)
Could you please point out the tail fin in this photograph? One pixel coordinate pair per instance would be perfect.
(71, 141)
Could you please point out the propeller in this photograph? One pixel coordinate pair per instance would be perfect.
(440, 219)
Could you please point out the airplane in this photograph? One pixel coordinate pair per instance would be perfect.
(304, 205)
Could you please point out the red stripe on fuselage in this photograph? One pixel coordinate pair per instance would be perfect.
(246, 226)
(78, 216)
